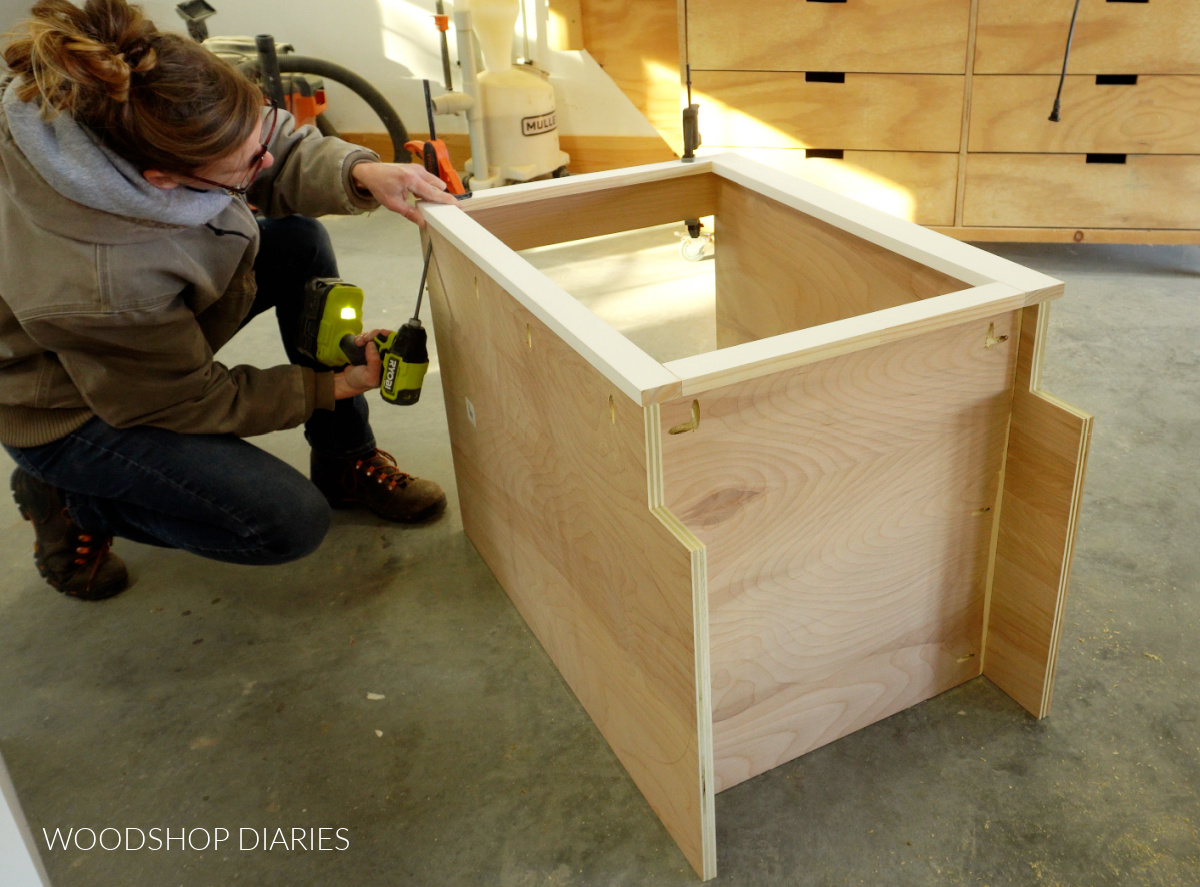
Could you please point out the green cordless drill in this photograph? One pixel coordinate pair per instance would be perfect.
(332, 317)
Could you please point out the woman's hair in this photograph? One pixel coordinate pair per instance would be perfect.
(159, 100)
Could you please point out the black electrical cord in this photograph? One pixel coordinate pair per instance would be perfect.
(1063, 77)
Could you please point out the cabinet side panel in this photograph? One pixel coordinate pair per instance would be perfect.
(1043, 484)
(780, 270)
(847, 510)
(551, 466)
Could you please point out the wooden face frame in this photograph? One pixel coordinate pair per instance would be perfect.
(862, 499)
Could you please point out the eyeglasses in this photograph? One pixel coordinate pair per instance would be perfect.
(256, 161)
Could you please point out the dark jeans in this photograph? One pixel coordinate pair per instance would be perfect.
(214, 495)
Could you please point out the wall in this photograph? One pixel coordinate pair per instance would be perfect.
(19, 864)
(393, 44)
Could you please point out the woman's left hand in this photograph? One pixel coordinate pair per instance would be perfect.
(392, 184)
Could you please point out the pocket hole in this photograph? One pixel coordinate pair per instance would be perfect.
(691, 425)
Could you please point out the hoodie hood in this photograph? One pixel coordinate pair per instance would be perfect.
(73, 170)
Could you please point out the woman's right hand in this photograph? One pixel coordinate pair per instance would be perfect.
(355, 380)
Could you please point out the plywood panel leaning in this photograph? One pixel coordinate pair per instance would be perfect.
(859, 500)
(1043, 484)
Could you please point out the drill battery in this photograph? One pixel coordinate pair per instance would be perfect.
(332, 310)
(330, 319)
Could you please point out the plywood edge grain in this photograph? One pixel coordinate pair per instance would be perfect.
(635, 373)
(699, 561)
(789, 350)
(704, 731)
(1084, 445)
(654, 463)
(923, 245)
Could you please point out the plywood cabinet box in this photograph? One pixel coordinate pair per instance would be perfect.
(861, 499)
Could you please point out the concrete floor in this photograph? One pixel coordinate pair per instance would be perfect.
(210, 696)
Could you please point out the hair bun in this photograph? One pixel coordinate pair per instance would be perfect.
(139, 56)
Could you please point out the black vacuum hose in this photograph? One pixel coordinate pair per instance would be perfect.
(302, 64)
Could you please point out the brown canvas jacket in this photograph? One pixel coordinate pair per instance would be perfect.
(116, 317)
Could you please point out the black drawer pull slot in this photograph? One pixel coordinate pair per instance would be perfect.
(1116, 79)
(843, 1)
(824, 77)
(827, 153)
(1106, 158)
(1128, 1)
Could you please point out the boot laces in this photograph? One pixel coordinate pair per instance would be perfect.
(383, 469)
(88, 552)
(91, 553)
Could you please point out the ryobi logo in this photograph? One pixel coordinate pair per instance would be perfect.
(389, 378)
(535, 126)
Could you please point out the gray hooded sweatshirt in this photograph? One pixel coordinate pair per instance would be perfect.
(114, 294)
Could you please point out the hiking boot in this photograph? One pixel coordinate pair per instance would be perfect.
(76, 563)
(375, 483)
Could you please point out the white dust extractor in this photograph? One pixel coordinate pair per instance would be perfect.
(510, 109)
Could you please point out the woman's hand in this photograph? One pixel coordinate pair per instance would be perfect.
(355, 380)
(392, 184)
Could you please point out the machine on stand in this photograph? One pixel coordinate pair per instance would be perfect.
(510, 109)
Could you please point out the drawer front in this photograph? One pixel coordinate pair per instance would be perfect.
(1029, 36)
(1159, 114)
(1064, 191)
(892, 112)
(922, 36)
(917, 187)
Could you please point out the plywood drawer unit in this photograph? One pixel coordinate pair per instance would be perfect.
(973, 82)
(864, 35)
(1124, 114)
(1066, 191)
(877, 87)
(1028, 37)
(891, 112)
